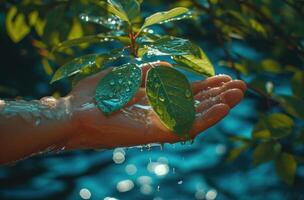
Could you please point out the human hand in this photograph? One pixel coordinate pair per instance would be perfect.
(137, 123)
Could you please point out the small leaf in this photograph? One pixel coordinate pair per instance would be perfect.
(270, 65)
(286, 167)
(265, 151)
(118, 87)
(236, 152)
(74, 66)
(168, 45)
(275, 126)
(298, 84)
(293, 105)
(196, 62)
(169, 94)
(161, 17)
(16, 26)
(126, 10)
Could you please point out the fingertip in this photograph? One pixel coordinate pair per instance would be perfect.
(209, 118)
(232, 97)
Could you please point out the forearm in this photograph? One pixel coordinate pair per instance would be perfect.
(27, 128)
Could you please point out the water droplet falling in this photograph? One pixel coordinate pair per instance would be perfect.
(158, 188)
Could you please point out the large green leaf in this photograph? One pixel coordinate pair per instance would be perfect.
(169, 93)
(118, 87)
(75, 66)
(298, 84)
(276, 126)
(265, 151)
(168, 45)
(286, 167)
(162, 17)
(126, 10)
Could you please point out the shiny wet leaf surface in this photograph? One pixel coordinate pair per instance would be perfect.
(170, 95)
(118, 87)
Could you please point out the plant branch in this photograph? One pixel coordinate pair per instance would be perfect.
(284, 36)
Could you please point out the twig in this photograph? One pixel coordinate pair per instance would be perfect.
(292, 44)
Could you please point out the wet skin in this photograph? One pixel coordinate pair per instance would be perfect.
(130, 126)
(216, 96)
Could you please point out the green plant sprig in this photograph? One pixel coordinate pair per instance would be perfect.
(168, 90)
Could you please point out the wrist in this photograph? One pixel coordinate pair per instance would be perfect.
(1, 104)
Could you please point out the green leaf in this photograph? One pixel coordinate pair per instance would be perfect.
(57, 30)
(286, 167)
(118, 87)
(274, 126)
(265, 152)
(161, 17)
(90, 39)
(112, 22)
(262, 85)
(236, 152)
(16, 25)
(196, 62)
(101, 60)
(126, 10)
(293, 105)
(168, 45)
(297, 84)
(271, 66)
(75, 66)
(169, 94)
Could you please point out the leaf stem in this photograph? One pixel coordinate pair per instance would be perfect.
(133, 45)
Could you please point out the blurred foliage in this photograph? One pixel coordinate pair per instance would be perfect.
(271, 28)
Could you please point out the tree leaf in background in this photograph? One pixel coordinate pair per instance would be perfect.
(262, 85)
(16, 25)
(271, 66)
(297, 84)
(76, 30)
(90, 39)
(293, 105)
(275, 126)
(169, 93)
(265, 152)
(74, 66)
(56, 30)
(126, 10)
(286, 167)
(168, 45)
(236, 152)
(162, 17)
(118, 87)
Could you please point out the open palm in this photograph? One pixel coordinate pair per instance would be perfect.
(137, 123)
